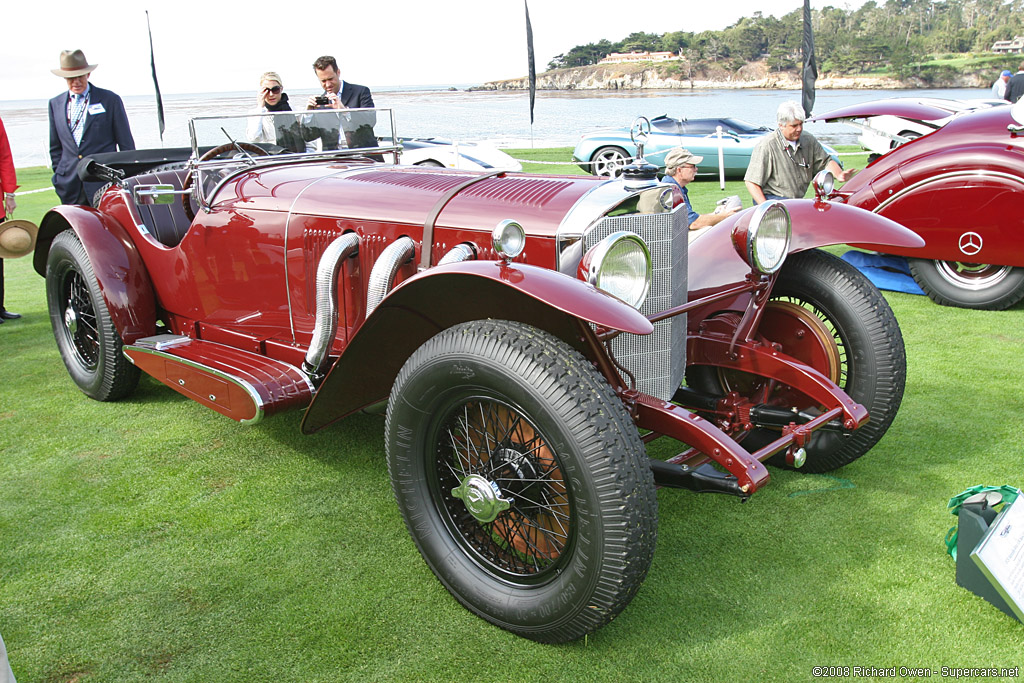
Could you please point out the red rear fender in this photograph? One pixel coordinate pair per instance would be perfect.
(122, 276)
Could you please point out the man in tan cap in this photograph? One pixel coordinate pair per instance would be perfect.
(84, 120)
(681, 169)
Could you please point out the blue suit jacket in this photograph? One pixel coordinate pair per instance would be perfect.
(104, 132)
(356, 96)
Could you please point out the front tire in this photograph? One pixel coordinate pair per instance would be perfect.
(969, 285)
(521, 478)
(89, 344)
(825, 313)
(608, 162)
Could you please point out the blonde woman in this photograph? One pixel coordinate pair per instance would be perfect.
(271, 97)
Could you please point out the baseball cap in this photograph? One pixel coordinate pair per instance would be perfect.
(679, 156)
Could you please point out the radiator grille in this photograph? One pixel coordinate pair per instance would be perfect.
(657, 360)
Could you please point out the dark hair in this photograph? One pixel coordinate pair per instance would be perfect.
(322, 63)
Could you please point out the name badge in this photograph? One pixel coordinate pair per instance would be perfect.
(96, 109)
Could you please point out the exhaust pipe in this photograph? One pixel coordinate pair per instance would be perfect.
(326, 326)
(384, 270)
(458, 254)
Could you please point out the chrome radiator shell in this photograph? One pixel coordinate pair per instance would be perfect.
(657, 360)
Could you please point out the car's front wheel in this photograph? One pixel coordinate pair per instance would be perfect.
(608, 161)
(969, 285)
(89, 344)
(521, 478)
(825, 313)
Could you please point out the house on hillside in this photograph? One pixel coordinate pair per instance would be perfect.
(620, 57)
(1009, 46)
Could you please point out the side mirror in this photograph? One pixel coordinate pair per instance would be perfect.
(156, 194)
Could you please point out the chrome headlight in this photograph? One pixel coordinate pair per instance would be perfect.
(508, 239)
(824, 183)
(620, 264)
(763, 240)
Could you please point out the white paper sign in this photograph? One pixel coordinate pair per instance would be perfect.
(1000, 555)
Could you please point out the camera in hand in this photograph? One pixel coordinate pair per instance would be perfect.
(322, 100)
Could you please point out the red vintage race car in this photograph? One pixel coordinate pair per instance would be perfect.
(960, 187)
(527, 335)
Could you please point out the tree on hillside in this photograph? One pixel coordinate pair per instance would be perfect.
(880, 34)
(641, 42)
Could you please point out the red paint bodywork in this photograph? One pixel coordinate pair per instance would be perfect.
(123, 278)
(967, 176)
(240, 284)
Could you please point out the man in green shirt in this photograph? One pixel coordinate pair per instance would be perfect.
(784, 162)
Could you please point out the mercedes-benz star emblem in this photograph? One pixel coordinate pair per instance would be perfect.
(970, 243)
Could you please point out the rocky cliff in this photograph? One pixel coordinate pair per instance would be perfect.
(674, 76)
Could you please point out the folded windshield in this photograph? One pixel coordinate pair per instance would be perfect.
(298, 132)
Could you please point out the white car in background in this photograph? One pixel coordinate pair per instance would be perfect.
(880, 134)
(467, 156)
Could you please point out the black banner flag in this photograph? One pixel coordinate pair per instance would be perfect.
(152, 64)
(533, 64)
(809, 74)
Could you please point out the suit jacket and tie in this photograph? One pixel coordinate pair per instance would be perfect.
(360, 129)
(356, 96)
(105, 131)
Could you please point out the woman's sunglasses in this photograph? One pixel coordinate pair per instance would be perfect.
(275, 90)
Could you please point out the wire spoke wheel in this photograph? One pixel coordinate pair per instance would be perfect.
(502, 489)
(521, 479)
(826, 314)
(79, 318)
(89, 344)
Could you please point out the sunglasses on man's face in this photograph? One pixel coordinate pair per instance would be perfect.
(275, 90)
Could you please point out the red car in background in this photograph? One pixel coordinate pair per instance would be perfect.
(527, 335)
(961, 188)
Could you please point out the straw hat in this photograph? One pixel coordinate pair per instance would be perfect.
(17, 238)
(73, 63)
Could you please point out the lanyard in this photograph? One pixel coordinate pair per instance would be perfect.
(81, 112)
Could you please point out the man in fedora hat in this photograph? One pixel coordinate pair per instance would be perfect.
(8, 183)
(84, 120)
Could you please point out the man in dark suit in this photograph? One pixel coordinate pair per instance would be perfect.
(1015, 86)
(84, 120)
(341, 95)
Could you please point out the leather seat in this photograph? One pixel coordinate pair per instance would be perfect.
(167, 222)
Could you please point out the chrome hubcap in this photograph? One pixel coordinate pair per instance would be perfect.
(972, 275)
(481, 497)
(71, 321)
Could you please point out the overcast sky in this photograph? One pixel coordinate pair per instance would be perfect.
(211, 46)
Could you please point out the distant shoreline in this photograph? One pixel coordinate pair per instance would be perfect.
(752, 76)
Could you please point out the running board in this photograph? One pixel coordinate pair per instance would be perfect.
(243, 386)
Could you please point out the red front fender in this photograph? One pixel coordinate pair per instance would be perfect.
(447, 295)
(715, 264)
(120, 272)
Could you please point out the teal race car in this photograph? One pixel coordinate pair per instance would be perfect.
(604, 152)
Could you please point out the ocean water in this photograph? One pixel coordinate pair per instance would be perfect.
(502, 118)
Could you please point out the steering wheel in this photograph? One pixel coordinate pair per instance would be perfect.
(186, 199)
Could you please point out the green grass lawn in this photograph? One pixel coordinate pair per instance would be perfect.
(152, 538)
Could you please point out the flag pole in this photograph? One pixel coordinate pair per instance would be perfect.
(156, 84)
(533, 67)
